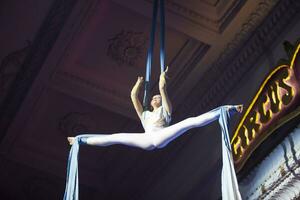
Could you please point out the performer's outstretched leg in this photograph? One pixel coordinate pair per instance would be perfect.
(141, 140)
(157, 139)
(168, 134)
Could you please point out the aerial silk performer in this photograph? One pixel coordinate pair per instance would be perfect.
(156, 123)
(158, 133)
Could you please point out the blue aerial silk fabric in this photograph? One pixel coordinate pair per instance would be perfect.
(229, 182)
(162, 52)
(72, 182)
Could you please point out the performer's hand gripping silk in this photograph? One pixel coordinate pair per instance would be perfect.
(158, 131)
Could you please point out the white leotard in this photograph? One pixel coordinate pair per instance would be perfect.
(155, 120)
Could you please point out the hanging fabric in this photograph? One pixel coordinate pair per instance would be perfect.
(229, 184)
(72, 182)
(151, 48)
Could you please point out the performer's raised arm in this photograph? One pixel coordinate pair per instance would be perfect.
(163, 92)
(135, 96)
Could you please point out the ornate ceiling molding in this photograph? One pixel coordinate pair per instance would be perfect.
(227, 71)
(189, 13)
(199, 49)
(253, 21)
(213, 21)
(127, 47)
(93, 93)
(276, 175)
(67, 77)
(9, 68)
(35, 59)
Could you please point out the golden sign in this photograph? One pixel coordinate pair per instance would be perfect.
(275, 102)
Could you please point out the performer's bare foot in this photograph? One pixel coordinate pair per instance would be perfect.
(239, 108)
(71, 140)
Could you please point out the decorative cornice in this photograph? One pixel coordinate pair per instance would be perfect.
(253, 21)
(280, 184)
(93, 86)
(33, 62)
(9, 68)
(277, 174)
(225, 74)
(191, 14)
(190, 64)
(216, 25)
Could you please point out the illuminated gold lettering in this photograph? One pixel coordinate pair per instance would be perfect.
(277, 92)
(237, 148)
(273, 96)
(265, 115)
(240, 143)
(251, 125)
(288, 96)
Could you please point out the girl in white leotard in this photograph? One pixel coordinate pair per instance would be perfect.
(158, 133)
(156, 123)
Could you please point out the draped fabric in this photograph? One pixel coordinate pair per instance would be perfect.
(162, 52)
(230, 189)
(229, 184)
(72, 181)
(71, 191)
